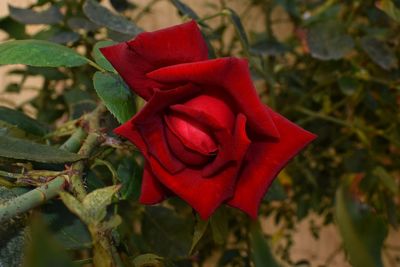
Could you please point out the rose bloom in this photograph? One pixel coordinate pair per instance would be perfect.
(204, 133)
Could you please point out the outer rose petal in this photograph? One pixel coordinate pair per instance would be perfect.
(206, 194)
(232, 75)
(153, 134)
(152, 50)
(152, 191)
(263, 162)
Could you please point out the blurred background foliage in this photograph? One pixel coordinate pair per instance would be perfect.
(330, 66)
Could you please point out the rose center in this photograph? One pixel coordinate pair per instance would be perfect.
(191, 140)
(193, 135)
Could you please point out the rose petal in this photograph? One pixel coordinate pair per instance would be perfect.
(232, 147)
(163, 99)
(203, 194)
(229, 74)
(201, 118)
(183, 153)
(152, 50)
(152, 132)
(152, 192)
(129, 131)
(264, 161)
(215, 106)
(191, 132)
(146, 128)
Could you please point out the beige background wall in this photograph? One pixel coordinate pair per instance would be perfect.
(163, 15)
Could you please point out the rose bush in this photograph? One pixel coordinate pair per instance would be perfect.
(204, 132)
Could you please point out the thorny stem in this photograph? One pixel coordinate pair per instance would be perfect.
(74, 142)
(51, 189)
(32, 198)
(102, 242)
(76, 182)
(91, 141)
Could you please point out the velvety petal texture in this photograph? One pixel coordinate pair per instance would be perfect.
(204, 133)
(152, 50)
(264, 161)
(232, 77)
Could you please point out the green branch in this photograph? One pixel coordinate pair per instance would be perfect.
(92, 140)
(32, 199)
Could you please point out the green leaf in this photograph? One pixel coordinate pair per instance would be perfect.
(117, 97)
(98, 56)
(160, 223)
(390, 9)
(219, 225)
(260, 250)
(52, 15)
(25, 150)
(66, 228)
(379, 52)
(104, 17)
(130, 175)
(185, 9)
(327, 41)
(237, 23)
(79, 23)
(12, 235)
(362, 231)
(96, 202)
(147, 260)
(23, 122)
(39, 53)
(199, 231)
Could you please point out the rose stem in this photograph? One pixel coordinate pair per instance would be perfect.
(32, 198)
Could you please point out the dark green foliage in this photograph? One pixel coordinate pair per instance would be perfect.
(119, 101)
(21, 149)
(39, 53)
(28, 16)
(336, 74)
(167, 233)
(104, 17)
(23, 122)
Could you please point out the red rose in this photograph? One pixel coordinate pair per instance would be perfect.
(204, 132)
